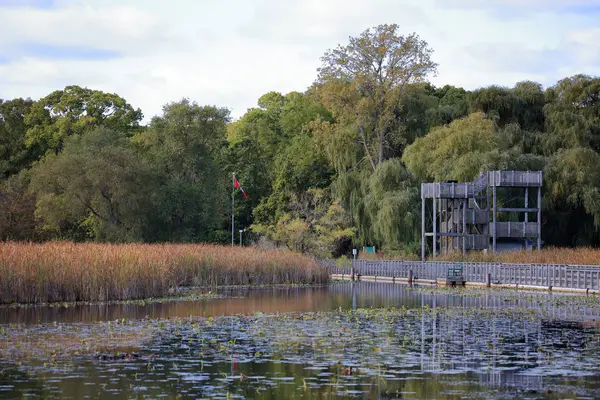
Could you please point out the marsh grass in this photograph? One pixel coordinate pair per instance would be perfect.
(550, 255)
(66, 272)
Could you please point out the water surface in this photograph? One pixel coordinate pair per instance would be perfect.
(364, 340)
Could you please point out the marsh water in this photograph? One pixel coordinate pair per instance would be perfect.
(346, 340)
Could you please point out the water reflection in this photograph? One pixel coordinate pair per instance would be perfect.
(302, 299)
(435, 344)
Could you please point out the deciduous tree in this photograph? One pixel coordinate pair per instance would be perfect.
(363, 80)
(76, 110)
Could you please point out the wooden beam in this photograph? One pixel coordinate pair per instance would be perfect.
(516, 209)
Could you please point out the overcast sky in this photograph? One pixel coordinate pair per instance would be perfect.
(229, 52)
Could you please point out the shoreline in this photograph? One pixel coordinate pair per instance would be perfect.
(196, 295)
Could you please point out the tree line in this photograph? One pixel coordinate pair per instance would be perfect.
(336, 166)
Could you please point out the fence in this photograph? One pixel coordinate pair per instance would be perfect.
(582, 277)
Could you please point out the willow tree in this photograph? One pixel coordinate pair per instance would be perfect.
(572, 114)
(363, 80)
(455, 151)
(572, 196)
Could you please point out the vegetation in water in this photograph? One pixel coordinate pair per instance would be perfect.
(69, 272)
(336, 166)
(425, 351)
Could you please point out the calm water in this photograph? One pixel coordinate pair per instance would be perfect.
(364, 340)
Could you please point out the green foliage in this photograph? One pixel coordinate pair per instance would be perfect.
(75, 111)
(572, 114)
(274, 155)
(363, 81)
(298, 167)
(184, 146)
(385, 205)
(336, 166)
(573, 180)
(14, 156)
(299, 110)
(98, 183)
(246, 159)
(459, 150)
(312, 222)
(17, 209)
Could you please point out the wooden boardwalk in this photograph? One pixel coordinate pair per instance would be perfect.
(556, 277)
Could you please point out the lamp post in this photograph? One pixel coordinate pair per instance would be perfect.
(241, 237)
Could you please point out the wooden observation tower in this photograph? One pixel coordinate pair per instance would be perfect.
(479, 215)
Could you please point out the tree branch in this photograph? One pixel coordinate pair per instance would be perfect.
(364, 136)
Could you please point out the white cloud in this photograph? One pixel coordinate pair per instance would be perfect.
(121, 28)
(229, 53)
(544, 4)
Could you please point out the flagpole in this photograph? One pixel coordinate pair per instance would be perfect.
(232, 208)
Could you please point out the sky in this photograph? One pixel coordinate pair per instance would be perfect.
(230, 52)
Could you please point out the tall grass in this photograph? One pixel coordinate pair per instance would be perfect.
(59, 271)
(550, 255)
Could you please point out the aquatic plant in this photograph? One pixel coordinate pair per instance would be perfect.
(66, 272)
(368, 352)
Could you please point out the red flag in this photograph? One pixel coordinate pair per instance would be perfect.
(238, 186)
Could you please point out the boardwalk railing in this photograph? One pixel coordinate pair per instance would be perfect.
(584, 277)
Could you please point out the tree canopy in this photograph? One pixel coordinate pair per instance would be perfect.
(336, 166)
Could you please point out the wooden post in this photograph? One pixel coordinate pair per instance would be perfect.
(488, 280)
(495, 217)
(526, 217)
(410, 277)
(487, 207)
(434, 227)
(539, 219)
(451, 227)
(422, 225)
(464, 226)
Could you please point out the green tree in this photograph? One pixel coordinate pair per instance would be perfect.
(452, 104)
(299, 110)
(364, 79)
(572, 114)
(300, 165)
(572, 180)
(17, 209)
(246, 159)
(261, 124)
(98, 184)
(455, 151)
(75, 110)
(312, 222)
(384, 206)
(184, 145)
(271, 150)
(14, 156)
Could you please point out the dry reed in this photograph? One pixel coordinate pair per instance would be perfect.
(66, 272)
(550, 255)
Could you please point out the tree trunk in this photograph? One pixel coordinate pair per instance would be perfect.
(381, 147)
(364, 140)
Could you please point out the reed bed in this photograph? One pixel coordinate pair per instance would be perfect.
(68, 272)
(550, 255)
